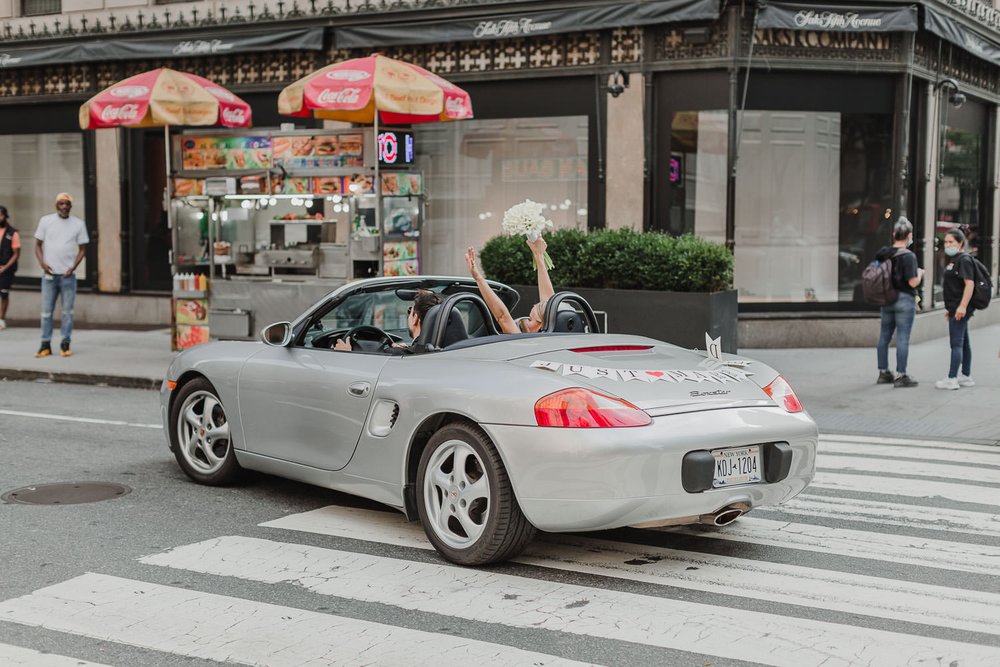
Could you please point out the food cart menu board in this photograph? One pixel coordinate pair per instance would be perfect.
(319, 152)
(399, 258)
(398, 183)
(191, 318)
(226, 153)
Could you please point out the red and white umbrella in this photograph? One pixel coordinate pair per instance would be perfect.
(353, 90)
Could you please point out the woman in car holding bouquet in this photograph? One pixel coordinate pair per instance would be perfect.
(535, 320)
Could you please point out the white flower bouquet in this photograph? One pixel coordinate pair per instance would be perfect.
(526, 219)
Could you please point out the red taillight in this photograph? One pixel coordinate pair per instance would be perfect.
(781, 392)
(583, 408)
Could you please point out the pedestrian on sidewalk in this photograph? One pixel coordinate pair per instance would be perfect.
(898, 316)
(10, 251)
(958, 284)
(61, 244)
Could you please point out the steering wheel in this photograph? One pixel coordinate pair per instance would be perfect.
(363, 336)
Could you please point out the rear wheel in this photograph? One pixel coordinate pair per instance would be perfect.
(200, 436)
(466, 502)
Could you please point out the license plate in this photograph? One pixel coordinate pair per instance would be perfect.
(739, 465)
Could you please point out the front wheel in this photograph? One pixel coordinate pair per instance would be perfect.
(199, 434)
(466, 502)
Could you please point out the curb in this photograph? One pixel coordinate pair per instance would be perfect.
(121, 381)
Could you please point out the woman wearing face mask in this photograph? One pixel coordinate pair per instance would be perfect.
(898, 316)
(958, 283)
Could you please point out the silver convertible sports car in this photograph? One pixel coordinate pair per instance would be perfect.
(486, 437)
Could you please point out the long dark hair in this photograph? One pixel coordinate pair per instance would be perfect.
(6, 216)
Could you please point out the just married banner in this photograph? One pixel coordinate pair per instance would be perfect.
(716, 376)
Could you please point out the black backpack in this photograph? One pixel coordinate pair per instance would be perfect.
(878, 283)
(982, 290)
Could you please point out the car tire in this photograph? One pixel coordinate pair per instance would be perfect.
(470, 515)
(200, 436)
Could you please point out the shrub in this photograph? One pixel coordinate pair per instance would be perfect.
(621, 258)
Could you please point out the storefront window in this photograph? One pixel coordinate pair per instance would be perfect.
(475, 170)
(36, 168)
(696, 174)
(958, 197)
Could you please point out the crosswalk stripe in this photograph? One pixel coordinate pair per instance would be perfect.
(228, 629)
(907, 443)
(891, 514)
(15, 656)
(936, 454)
(980, 559)
(901, 486)
(789, 584)
(519, 602)
(984, 474)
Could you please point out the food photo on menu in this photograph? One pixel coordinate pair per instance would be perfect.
(328, 185)
(327, 145)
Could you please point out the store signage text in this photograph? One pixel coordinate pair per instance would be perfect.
(861, 41)
(834, 20)
(395, 148)
(6, 59)
(546, 169)
(342, 96)
(510, 27)
(194, 46)
(125, 112)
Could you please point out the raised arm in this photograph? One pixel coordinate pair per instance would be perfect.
(500, 312)
(545, 290)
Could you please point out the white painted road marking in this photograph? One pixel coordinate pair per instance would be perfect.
(900, 486)
(988, 455)
(15, 656)
(227, 629)
(520, 602)
(907, 443)
(84, 420)
(847, 463)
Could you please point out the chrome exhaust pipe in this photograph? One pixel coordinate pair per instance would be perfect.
(726, 515)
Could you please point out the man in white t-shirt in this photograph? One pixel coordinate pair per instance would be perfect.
(61, 241)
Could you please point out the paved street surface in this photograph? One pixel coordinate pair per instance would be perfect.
(892, 557)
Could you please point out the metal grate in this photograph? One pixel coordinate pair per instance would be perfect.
(40, 7)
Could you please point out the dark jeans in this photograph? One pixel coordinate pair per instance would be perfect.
(52, 288)
(961, 350)
(896, 317)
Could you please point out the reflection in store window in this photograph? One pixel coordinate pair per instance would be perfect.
(36, 168)
(697, 174)
(475, 170)
(958, 196)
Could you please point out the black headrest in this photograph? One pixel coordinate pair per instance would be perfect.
(568, 321)
(427, 325)
(454, 330)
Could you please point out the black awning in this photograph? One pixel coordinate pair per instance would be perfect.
(838, 18)
(307, 39)
(596, 16)
(951, 30)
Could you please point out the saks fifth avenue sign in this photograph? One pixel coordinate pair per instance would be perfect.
(201, 46)
(813, 20)
(519, 27)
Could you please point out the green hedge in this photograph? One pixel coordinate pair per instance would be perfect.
(622, 259)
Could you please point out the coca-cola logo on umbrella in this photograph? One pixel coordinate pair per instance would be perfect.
(342, 96)
(350, 75)
(125, 112)
(129, 92)
(234, 116)
(455, 107)
(220, 93)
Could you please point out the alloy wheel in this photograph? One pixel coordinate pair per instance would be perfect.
(203, 432)
(456, 494)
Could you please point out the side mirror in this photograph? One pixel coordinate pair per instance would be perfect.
(278, 334)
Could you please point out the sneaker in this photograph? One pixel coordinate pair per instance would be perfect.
(885, 377)
(947, 383)
(44, 351)
(966, 381)
(3, 325)
(64, 350)
(905, 380)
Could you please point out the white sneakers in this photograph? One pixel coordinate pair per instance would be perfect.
(955, 383)
(3, 325)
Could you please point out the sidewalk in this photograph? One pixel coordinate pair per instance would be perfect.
(837, 385)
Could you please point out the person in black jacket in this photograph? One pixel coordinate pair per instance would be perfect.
(10, 250)
(898, 316)
(958, 284)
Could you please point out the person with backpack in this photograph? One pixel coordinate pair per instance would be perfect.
(959, 284)
(897, 315)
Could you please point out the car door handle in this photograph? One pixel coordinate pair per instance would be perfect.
(359, 389)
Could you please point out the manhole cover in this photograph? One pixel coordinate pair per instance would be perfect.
(65, 493)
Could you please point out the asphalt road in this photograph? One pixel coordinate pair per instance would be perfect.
(890, 557)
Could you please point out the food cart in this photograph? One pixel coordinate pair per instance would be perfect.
(265, 222)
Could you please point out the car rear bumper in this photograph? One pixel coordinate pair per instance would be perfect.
(594, 479)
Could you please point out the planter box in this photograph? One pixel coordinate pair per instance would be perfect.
(681, 318)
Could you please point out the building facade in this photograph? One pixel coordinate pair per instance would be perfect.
(796, 133)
